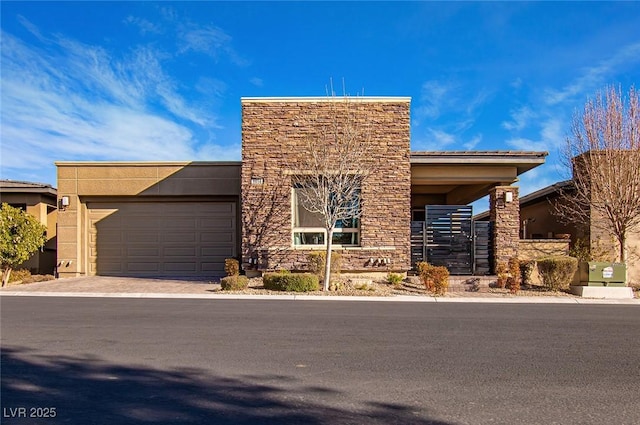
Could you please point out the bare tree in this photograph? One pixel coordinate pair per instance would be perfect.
(329, 179)
(603, 153)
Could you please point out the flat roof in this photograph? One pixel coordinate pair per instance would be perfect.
(545, 191)
(523, 160)
(143, 163)
(301, 99)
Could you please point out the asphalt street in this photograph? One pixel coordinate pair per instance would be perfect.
(173, 361)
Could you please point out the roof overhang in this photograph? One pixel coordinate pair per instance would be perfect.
(462, 177)
(12, 186)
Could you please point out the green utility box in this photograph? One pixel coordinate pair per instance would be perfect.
(595, 273)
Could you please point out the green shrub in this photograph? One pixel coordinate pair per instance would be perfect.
(234, 283)
(20, 275)
(291, 282)
(435, 278)
(502, 272)
(513, 280)
(316, 263)
(526, 271)
(231, 267)
(557, 272)
(395, 279)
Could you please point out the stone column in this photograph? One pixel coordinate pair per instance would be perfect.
(505, 218)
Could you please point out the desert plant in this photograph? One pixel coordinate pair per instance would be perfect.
(526, 271)
(292, 282)
(395, 279)
(316, 262)
(234, 283)
(502, 272)
(513, 279)
(557, 272)
(364, 286)
(231, 267)
(20, 275)
(435, 278)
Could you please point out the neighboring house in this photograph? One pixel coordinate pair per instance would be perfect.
(39, 200)
(184, 219)
(538, 223)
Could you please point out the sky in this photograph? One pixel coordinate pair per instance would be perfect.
(94, 81)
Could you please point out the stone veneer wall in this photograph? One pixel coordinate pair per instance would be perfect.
(505, 217)
(532, 249)
(273, 135)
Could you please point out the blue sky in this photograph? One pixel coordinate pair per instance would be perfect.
(163, 81)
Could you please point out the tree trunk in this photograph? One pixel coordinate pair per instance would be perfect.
(622, 240)
(327, 262)
(6, 273)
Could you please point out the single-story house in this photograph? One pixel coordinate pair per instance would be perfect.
(185, 218)
(39, 200)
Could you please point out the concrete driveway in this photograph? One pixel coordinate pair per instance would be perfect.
(113, 285)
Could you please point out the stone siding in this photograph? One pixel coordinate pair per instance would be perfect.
(505, 217)
(274, 133)
(532, 249)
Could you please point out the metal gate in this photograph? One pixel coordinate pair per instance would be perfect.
(450, 238)
(482, 248)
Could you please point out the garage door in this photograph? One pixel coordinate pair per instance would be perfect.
(156, 239)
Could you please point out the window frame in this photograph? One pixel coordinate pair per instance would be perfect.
(295, 241)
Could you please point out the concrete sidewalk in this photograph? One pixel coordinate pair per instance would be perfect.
(122, 287)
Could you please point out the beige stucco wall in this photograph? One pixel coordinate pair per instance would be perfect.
(274, 132)
(633, 264)
(127, 181)
(546, 225)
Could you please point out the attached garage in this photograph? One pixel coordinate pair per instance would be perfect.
(160, 239)
(148, 219)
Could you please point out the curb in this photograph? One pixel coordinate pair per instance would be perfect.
(289, 297)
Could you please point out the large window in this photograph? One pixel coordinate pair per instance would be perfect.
(308, 227)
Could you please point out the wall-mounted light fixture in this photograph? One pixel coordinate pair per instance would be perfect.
(508, 197)
(64, 202)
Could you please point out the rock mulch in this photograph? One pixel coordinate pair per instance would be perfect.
(380, 288)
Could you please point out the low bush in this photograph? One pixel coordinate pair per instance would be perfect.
(231, 267)
(526, 271)
(395, 279)
(502, 272)
(513, 279)
(20, 275)
(435, 278)
(316, 263)
(234, 283)
(291, 282)
(557, 272)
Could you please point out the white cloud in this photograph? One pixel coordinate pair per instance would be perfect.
(256, 81)
(517, 83)
(435, 96)
(209, 40)
(593, 78)
(144, 26)
(551, 137)
(71, 101)
(471, 144)
(520, 118)
(437, 139)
